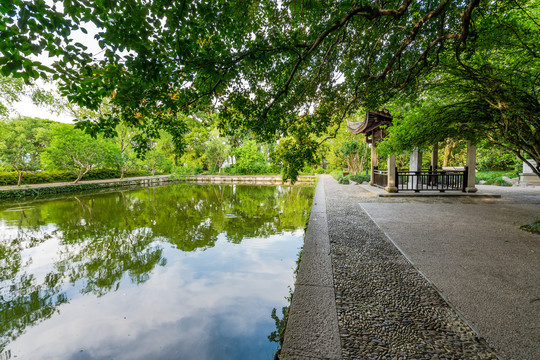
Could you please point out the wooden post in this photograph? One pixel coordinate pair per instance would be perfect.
(435, 156)
(374, 161)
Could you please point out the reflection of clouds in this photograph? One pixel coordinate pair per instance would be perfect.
(105, 246)
(212, 304)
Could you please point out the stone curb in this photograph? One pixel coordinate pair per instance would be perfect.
(312, 328)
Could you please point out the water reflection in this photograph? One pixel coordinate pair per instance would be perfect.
(117, 275)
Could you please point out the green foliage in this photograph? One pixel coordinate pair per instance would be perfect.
(73, 150)
(35, 192)
(164, 58)
(249, 160)
(467, 67)
(533, 227)
(187, 170)
(11, 90)
(495, 177)
(360, 178)
(216, 152)
(501, 182)
(487, 91)
(490, 157)
(337, 174)
(21, 143)
(158, 161)
(295, 152)
(354, 154)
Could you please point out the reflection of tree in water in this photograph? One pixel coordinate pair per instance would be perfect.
(22, 302)
(103, 237)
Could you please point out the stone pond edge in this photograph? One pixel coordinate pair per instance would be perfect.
(13, 192)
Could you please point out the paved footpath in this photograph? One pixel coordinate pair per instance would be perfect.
(410, 277)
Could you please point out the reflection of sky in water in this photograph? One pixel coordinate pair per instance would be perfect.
(212, 304)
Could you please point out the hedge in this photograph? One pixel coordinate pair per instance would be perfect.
(43, 177)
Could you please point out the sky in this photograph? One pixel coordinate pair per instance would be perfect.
(26, 108)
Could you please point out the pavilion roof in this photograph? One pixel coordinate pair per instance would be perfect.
(374, 119)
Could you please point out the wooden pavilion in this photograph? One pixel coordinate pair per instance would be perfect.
(415, 178)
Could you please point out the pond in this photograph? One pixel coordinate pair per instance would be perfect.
(174, 272)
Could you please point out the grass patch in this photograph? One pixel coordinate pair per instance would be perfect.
(495, 177)
(533, 227)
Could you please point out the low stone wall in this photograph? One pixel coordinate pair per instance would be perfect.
(10, 192)
(242, 179)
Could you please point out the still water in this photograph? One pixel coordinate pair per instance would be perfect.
(174, 272)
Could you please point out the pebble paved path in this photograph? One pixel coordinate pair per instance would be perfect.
(386, 308)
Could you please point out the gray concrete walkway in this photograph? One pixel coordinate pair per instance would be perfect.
(469, 251)
(479, 259)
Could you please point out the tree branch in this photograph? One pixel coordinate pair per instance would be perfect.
(365, 11)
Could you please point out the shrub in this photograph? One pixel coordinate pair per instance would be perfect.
(501, 182)
(249, 160)
(360, 178)
(337, 174)
(187, 170)
(492, 177)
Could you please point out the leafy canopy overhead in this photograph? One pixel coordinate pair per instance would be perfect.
(267, 65)
(490, 91)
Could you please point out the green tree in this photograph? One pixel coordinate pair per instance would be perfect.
(158, 160)
(216, 152)
(22, 142)
(125, 159)
(73, 150)
(10, 92)
(354, 155)
(249, 160)
(278, 64)
(488, 91)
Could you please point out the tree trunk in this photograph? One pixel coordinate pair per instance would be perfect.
(123, 172)
(79, 177)
(20, 173)
(447, 153)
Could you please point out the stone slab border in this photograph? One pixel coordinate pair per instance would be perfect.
(312, 328)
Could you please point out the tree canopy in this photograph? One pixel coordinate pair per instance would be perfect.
(284, 70)
(22, 141)
(490, 91)
(73, 150)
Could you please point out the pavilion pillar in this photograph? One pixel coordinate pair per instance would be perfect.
(471, 165)
(374, 162)
(435, 157)
(415, 164)
(392, 186)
